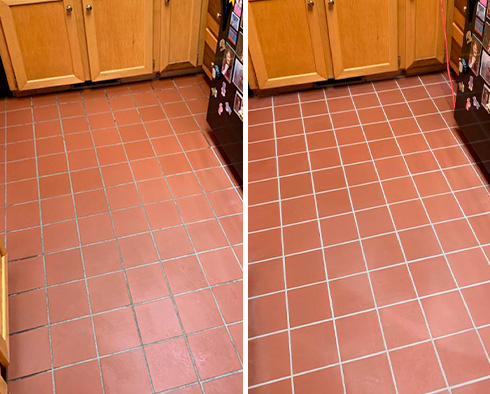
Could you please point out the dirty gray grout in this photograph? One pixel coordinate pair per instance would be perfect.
(216, 217)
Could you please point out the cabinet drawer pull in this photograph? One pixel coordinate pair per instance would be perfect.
(311, 3)
(331, 3)
(69, 9)
(89, 8)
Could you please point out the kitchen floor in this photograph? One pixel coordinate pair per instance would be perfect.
(124, 235)
(369, 243)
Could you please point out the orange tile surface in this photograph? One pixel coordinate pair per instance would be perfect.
(368, 243)
(123, 228)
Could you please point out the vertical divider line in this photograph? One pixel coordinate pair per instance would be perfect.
(325, 269)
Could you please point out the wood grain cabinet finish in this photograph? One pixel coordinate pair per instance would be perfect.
(424, 33)
(180, 32)
(42, 41)
(286, 42)
(119, 37)
(363, 36)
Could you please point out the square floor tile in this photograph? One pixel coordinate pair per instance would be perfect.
(325, 379)
(308, 304)
(471, 363)
(137, 250)
(157, 321)
(301, 269)
(198, 311)
(146, 283)
(420, 242)
(403, 324)
(446, 314)
(360, 375)
(116, 331)
(359, 335)
(268, 314)
(117, 368)
(27, 311)
(392, 285)
(169, 372)
(382, 251)
(351, 295)
(68, 301)
(344, 260)
(305, 345)
(23, 361)
(108, 292)
(475, 299)
(79, 379)
(64, 267)
(213, 353)
(469, 267)
(338, 229)
(229, 298)
(417, 369)
(42, 384)
(432, 276)
(107, 253)
(72, 342)
(301, 237)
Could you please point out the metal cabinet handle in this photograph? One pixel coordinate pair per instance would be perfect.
(218, 15)
(89, 8)
(69, 9)
(167, 2)
(311, 3)
(331, 3)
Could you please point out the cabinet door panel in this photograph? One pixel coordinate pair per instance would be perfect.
(425, 35)
(119, 38)
(42, 41)
(286, 43)
(180, 33)
(363, 36)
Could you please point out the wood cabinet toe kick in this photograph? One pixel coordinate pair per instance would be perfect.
(46, 44)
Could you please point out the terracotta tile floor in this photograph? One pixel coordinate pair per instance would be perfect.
(123, 230)
(369, 244)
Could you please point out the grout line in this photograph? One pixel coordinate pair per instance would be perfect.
(320, 234)
(445, 257)
(48, 315)
(283, 260)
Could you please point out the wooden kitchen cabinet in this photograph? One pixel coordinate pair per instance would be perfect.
(363, 36)
(119, 37)
(286, 42)
(424, 33)
(42, 43)
(179, 33)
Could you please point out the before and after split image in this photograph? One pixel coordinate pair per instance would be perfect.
(244, 197)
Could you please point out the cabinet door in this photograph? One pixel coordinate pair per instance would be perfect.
(180, 29)
(286, 42)
(119, 37)
(425, 34)
(42, 41)
(363, 36)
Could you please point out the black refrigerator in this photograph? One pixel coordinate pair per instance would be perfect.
(225, 109)
(472, 111)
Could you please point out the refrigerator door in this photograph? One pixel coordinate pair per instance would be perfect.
(472, 111)
(225, 108)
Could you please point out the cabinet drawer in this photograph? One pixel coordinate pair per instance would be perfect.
(459, 19)
(208, 59)
(460, 5)
(214, 10)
